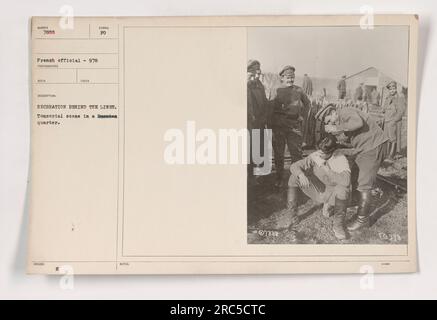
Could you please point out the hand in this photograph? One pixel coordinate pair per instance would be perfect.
(331, 128)
(325, 168)
(300, 119)
(303, 181)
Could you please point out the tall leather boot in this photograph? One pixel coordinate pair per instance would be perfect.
(292, 194)
(279, 164)
(279, 180)
(362, 218)
(339, 216)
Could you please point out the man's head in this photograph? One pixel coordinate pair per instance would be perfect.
(287, 75)
(327, 146)
(253, 70)
(392, 88)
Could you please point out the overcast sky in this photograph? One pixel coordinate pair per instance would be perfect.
(330, 52)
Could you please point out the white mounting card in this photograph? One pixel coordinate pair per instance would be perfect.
(139, 141)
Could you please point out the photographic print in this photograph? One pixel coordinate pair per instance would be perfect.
(334, 101)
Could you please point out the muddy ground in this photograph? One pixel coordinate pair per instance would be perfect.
(268, 219)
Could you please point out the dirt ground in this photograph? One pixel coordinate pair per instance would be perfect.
(268, 219)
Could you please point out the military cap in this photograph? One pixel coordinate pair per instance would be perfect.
(253, 65)
(287, 69)
(391, 83)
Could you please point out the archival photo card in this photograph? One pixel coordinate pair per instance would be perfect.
(223, 145)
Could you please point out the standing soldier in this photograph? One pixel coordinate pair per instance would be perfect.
(289, 109)
(257, 108)
(369, 149)
(307, 85)
(309, 121)
(341, 87)
(374, 97)
(393, 108)
(309, 134)
(359, 93)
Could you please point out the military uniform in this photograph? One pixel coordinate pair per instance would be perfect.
(369, 144)
(369, 149)
(257, 111)
(257, 105)
(341, 87)
(289, 108)
(307, 85)
(310, 123)
(393, 108)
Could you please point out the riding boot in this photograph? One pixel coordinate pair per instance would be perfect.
(292, 194)
(362, 218)
(339, 216)
(279, 183)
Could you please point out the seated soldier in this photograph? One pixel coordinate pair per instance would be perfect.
(324, 176)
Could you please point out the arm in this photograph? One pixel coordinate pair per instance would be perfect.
(269, 113)
(347, 151)
(299, 167)
(306, 107)
(250, 111)
(305, 101)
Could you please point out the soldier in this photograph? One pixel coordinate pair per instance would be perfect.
(393, 108)
(307, 85)
(289, 108)
(341, 87)
(257, 109)
(369, 149)
(309, 121)
(324, 176)
(359, 93)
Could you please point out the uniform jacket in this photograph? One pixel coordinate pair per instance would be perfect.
(289, 104)
(394, 107)
(341, 85)
(257, 105)
(364, 132)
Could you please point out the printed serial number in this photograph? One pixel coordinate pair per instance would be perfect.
(392, 237)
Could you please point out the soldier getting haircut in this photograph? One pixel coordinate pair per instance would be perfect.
(327, 144)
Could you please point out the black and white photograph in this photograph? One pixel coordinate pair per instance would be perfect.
(332, 102)
(248, 154)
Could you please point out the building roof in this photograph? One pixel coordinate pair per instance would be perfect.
(357, 73)
(370, 68)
